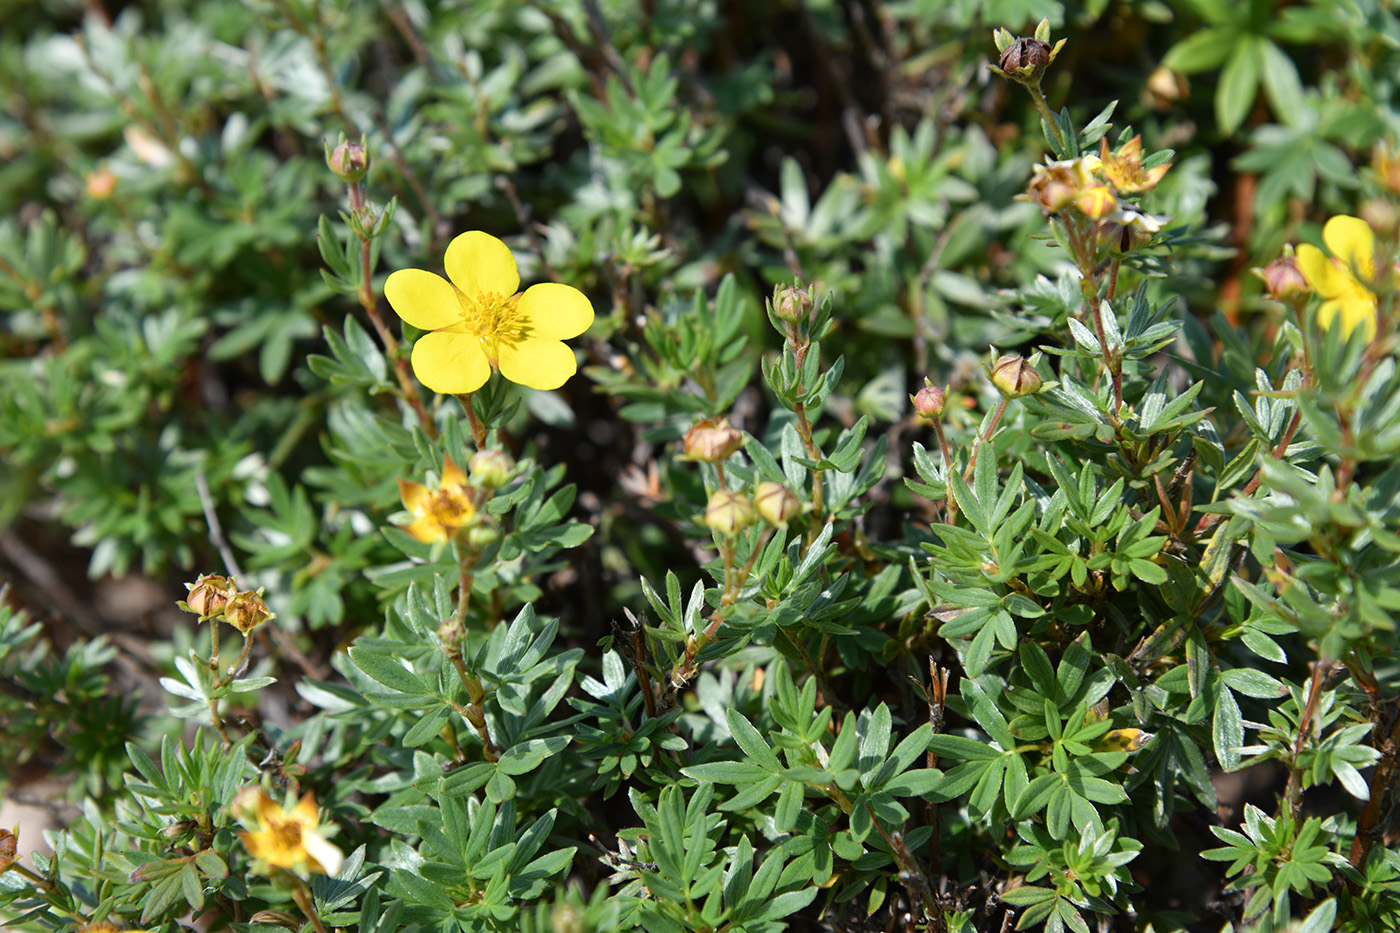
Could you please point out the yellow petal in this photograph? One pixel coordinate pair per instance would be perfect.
(1349, 313)
(1351, 240)
(480, 264)
(1324, 277)
(452, 475)
(555, 311)
(426, 531)
(450, 362)
(539, 364)
(414, 496)
(326, 853)
(305, 810)
(423, 299)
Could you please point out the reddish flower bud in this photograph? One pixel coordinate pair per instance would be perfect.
(929, 401)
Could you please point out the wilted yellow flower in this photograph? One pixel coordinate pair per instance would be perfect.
(282, 838)
(246, 611)
(1344, 281)
(437, 515)
(1123, 169)
(480, 322)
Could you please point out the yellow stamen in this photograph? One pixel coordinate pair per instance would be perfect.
(494, 320)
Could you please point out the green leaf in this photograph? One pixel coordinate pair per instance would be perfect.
(751, 742)
(526, 757)
(1239, 83)
(388, 671)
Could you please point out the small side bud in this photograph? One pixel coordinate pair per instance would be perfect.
(729, 513)
(1381, 216)
(348, 161)
(712, 441)
(450, 633)
(480, 537)
(490, 469)
(1014, 377)
(929, 402)
(1283, 279)
(775, 503)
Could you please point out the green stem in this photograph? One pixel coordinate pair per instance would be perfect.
(1048, 118)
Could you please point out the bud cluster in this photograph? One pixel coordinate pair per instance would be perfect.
(217, 598)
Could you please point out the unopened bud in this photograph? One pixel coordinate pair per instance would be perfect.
(490, 469)
(791, 304)
(1014, 377)
(712, 441)
(246, 611)
(208, 596)
(1283, 279)
(178, 829)
(929, 401)
(100, 184)
(1381, 216)
(480, 537)
(9, 848)
(450, 633)
(775, 503)
(729, 513)
(348, 161)
(1386, 164)
(1097, 202)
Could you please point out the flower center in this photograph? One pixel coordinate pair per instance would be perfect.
(287, 834)
(494, 319)
(450, 509)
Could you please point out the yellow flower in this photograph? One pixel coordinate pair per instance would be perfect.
(437, 515)
(1344, 282)
(1123, 169)
(480, 322)
(282, 838)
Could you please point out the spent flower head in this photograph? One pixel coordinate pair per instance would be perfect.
(1024, 60)
(208, 596)
(712, 440)
(1345, 281)
(437, 514)
(246, 611)
(290, 839)
(481, 322)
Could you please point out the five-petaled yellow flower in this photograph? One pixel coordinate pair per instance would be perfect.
(1345, 281)
(281, 838)
(437, 515)
(480, 321)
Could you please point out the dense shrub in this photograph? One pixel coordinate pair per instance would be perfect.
(883, 498)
